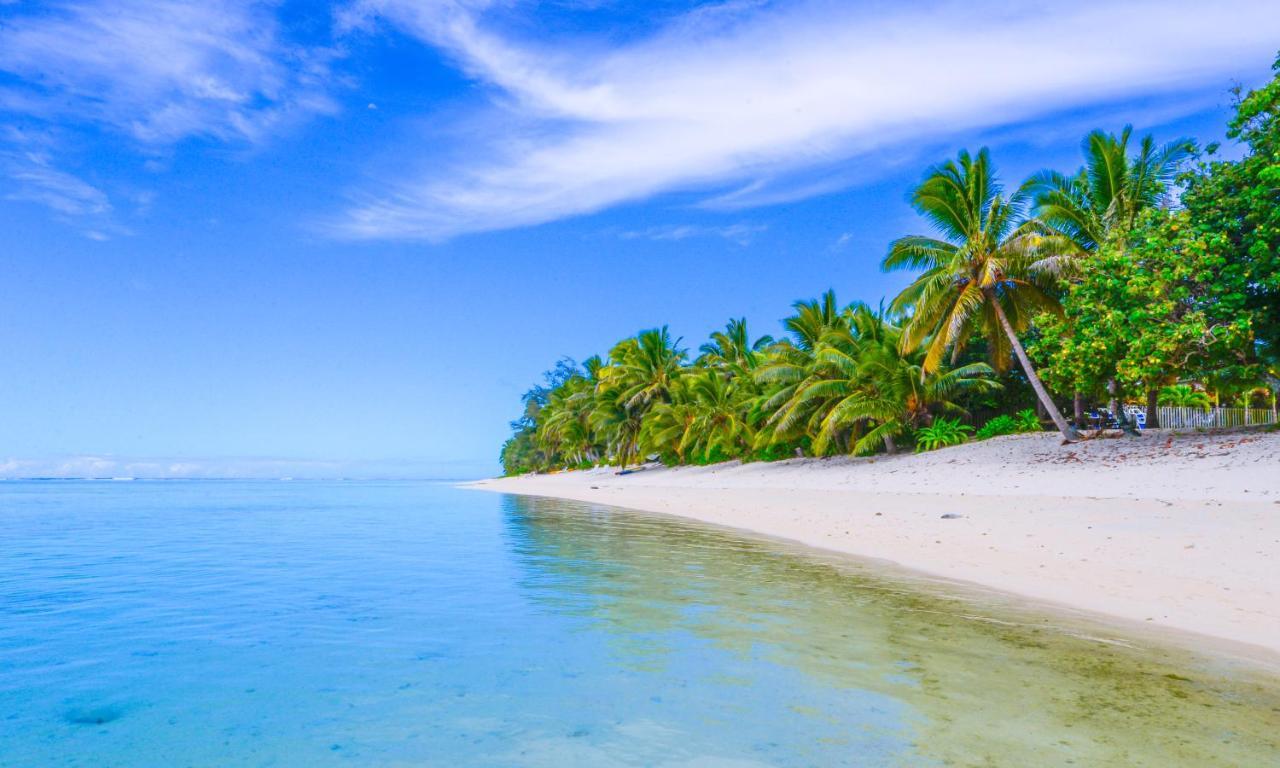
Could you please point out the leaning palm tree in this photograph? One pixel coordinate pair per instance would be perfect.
(976, 277)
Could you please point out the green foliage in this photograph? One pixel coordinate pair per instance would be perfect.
(1234, 205)
(1162, 304)
(1028, 421)
(1185, 396)
(942, 433)
(1004, 424)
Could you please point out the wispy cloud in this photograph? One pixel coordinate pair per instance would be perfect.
(33, 178)
(741, 233)
(155, 71)
(39, 182)
(741, 94)
(160, 70)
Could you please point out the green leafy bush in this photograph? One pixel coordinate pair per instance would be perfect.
(1028, 421)
(1185, 396)
(942, 433)
(1004, 424)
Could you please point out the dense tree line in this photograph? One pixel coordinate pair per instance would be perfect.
(1151, 274)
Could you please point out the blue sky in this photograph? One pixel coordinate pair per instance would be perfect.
(297, 238)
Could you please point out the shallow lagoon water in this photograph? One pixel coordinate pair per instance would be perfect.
(414, 624)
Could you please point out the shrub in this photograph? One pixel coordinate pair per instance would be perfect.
(1184, 396)
(941, 433)
(1004, 424)
(1028, 421)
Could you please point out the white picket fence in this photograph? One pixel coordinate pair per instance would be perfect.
(1214, 418)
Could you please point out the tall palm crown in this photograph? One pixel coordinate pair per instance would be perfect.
(644, 368)
(976, 277)
(978, 266)
(732, 348)
(814, 318)
(1107, 195)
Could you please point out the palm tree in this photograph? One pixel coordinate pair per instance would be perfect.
(641, 373)
(708, 413)
(787, 364)
(781, 417)
(813, 318)
(976, 277)
(1104, 199)
(733, 348)
(861, 378)
(562, 432)
(720, 408)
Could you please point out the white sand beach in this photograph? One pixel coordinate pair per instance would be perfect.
(1174, 531)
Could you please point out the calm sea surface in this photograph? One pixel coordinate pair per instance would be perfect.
(413, 624)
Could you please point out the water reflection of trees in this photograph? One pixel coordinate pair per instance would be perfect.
(1005, 689)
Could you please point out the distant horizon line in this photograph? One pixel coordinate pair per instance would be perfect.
(232, 478)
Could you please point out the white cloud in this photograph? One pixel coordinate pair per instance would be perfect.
(747, 93)
(160, 70)
(741, 233)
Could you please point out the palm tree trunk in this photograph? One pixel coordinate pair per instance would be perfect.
(890, 447)
(1068, 432)
(1077, 408)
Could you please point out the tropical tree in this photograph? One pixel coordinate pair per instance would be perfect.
(782, 419)
(1160, 308)
(641, 374)
(1097, 206)
(976, 277)
(862, 387)
(1104, 199)
(814, 318)
(1238, 200)
(732, 348)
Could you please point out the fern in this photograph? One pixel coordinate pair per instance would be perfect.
(1028, 421)
(941, 434)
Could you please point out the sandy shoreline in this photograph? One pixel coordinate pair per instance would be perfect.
(1180, 531)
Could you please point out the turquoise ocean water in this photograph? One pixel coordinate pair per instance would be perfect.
(415, 624)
